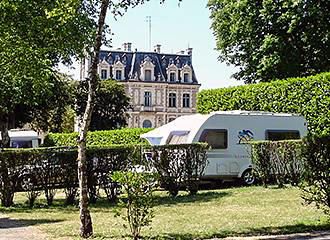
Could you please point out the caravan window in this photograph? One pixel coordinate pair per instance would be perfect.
(21, 144)
(216, 138)
(178, 138)
(277, 135)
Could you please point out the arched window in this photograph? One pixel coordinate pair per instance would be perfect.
(147, 124)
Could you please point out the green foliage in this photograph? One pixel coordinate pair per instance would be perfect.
(110, 105)
(138, 188)
(48, 169)
(29, 82)
(279, 161)
(179, 166)
(309, 97)
(98, 138)
(316, 177)
(67, 120)
(270, 40)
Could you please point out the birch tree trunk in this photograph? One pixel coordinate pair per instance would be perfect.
(5, 141)
(86, 227)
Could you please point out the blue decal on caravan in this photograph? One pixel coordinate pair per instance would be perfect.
(245, 136)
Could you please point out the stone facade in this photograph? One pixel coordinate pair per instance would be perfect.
(161, 86)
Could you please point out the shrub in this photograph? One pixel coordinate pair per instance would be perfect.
(138, 189)
(279, 161)
(309, 97)
(316, 176)
(178, 165)
(98, 138)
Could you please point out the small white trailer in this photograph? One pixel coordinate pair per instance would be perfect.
(228, 132)
(23, 138)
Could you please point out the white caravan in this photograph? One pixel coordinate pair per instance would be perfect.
(23, 138)
(228, 132)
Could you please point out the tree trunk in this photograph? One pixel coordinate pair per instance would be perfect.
(86, 228)
(4, 133)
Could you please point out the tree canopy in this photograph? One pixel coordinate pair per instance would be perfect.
(35, 37)
(110, 106)
(270, 40)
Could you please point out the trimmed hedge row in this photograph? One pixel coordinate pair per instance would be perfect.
(305, 163)
(48, 169)
(98, 138)
(277, 161)
(178, 167)
(308, 96)
(316, 176)
(45, 170)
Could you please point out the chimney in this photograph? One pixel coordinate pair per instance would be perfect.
(157, 48)
(129, 47)
(189, 51)
(125, 47)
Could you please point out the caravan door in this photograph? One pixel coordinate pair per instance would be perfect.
(218, 155)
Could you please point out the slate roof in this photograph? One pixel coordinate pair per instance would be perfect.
(133, 60)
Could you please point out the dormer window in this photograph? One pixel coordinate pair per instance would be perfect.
(147, 69)
(186, 77)
(147, 75)
(172, 73)
(186, 74)
(104, 74)
(172, 77)
(118, 75)
(118, 69)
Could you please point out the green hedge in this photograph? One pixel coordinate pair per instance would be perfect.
(277, 161)
(99, 138)
(308, 96)
(178, 165)
(316, 177)
(48, 169)
(305, 163)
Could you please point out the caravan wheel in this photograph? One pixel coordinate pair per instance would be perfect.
(248, 178)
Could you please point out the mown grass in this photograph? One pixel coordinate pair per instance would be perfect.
(241, 211)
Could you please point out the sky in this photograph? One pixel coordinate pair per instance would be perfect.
(175, 27)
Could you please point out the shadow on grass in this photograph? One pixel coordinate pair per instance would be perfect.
(6, 223)
(182, 199)
(103, 203)
(40, 205)
(289, 229)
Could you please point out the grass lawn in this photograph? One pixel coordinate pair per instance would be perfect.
(212, 213)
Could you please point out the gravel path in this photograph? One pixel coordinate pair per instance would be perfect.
(12, 229)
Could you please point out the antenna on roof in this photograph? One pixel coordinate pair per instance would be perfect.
(149, 21)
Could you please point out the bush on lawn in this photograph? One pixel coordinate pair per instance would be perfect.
(308, 96)
(98, 138)
(316, 176)
(277, 161)
(178, 165)
(138, 201)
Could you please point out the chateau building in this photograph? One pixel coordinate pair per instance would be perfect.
(161, 86)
